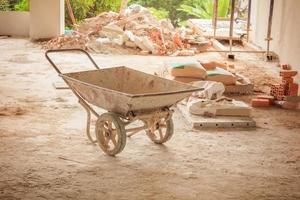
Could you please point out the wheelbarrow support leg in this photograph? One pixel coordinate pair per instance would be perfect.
(88, 122)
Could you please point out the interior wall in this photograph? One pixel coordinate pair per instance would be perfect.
(14, 23)
(285, 29)
(46, 18)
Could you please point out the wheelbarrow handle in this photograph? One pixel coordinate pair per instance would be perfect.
(65, 50)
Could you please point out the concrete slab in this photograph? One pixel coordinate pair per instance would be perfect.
(200, 122)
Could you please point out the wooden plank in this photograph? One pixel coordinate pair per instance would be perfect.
(219, 47)
(205, 26)
(123, 7)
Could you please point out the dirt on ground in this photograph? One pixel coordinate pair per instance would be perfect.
(44, 153)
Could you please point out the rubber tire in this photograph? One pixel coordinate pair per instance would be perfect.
(120, 132)
(167, 136)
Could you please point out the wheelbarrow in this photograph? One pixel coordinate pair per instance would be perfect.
(127, 95)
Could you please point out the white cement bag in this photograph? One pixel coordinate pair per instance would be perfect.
(212, 89)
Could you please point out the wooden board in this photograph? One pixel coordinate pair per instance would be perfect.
(200, 122)
(222, 31)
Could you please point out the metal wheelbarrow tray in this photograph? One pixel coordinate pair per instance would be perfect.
(127, 95)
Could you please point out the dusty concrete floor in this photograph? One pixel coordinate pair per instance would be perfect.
(44, 153)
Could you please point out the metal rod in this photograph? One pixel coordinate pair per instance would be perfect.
(249, 19)
(136, 129)
(270, 26)
(231, 24)
(235, 51)
(132, 131)
(67, 50)
(215, 16)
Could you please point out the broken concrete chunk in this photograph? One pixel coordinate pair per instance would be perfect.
(166, 24)
(145, 52)
(129, 35)
(144, 44)
(194, 27)
(148, 44)
(103, 40)
(112, 31)
(113, 28)
(118, 40)
(130, 44)
(184, 53)
(139, 42)
(134, 9)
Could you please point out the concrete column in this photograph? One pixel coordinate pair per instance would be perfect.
(47, 18)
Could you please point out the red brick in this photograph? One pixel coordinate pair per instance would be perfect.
(293, 89)
(288, 73)
(287, 80)
(285, 66)
(275, 85)
(260, 102)
(280, 97)
(270, 98)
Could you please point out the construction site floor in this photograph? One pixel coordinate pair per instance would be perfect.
(44, 153)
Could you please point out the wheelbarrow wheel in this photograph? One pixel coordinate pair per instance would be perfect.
(161, 131)
(110, 133)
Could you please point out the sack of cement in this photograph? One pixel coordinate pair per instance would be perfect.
(221, 75)
(211, 65)
(188, 69)
(186, 79)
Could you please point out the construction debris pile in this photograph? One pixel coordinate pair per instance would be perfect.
(136, 30)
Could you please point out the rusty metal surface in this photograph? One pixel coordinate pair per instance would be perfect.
(122, 89)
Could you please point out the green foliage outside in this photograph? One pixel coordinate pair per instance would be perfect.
(204, 8)
(178, 11)
(105, 5)
(14, 5)
(159, 13)
(23, 5)
(89, 8)
(170, 6)
(4, 5)
(181, 10)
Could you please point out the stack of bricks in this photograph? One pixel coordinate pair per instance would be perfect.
(287, 87)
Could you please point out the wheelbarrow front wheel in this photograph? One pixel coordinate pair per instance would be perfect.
(161, 131)
(110, 133)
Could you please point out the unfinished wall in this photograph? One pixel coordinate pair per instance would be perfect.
(14, 23)
(46, 18)
(285, 29)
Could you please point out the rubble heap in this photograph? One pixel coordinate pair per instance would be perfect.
(137, 30)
